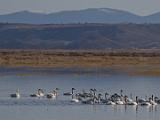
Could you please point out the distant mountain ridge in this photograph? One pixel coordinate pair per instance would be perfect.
(79, 36)
(92, 15)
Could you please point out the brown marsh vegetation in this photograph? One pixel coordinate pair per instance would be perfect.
(139, 61)
(52, 58)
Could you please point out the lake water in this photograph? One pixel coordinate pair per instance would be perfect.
(108, 80)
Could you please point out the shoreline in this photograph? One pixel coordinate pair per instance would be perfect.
(133, 62)
(82, 58)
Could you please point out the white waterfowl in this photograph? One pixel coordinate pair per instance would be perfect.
(119, 102)
(145, 103)
(75, 99)
(129, 101)
(39, 93)
(109, 102)
(16, 95)
(152, 101)
(53, 94)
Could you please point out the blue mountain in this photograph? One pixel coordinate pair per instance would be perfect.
(92, 15)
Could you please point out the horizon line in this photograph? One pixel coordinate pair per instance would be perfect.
(76, 10)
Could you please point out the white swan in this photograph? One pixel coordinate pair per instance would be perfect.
(75, 99)
(149, 103)
(119, 102)
(131, 102)
(145, 103)
(39, 93)
(53, 94)
(153, 102)
(16, 95)
(110, 103)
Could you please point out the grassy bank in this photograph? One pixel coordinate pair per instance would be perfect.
(140, 59)
(60, 58)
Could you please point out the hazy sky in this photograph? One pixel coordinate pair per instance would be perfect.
(141, 7)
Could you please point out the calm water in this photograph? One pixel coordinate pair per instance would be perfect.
(27, 108)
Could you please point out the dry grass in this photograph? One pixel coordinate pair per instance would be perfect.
(61, 58)
(139, 62)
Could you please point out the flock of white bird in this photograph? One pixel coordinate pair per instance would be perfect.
(93, 97)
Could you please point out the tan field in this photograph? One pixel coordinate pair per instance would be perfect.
(140, 61)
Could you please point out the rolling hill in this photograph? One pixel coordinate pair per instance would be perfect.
(79, 36)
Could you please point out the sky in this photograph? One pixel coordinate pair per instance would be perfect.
(139, 7)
